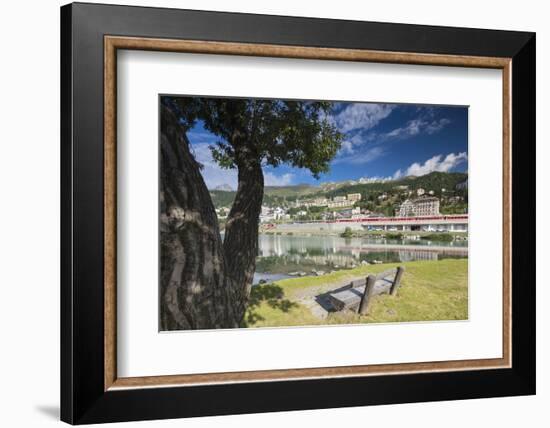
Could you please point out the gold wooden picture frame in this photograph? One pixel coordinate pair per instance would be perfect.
(114, 43)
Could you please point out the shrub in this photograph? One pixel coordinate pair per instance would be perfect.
(348, 233)
(394, 236)
(442, 237)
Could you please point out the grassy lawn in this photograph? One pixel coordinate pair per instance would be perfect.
(430, 291)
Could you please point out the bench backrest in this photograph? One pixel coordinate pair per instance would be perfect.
(358, 283)
(363, 281)
(395, 274)
(358, 292)
(386, 273)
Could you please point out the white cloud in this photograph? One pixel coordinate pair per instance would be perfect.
(346, 147)
(417, 126)
(271, 179)
(437, 125)
(398, 174)
(212, 174)
(436, 163)
(215, 176)
(363, 157)
(362, 116)
(349, 144)
(374, 179)
(412, 127)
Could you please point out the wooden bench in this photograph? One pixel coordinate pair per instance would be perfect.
(358, 294)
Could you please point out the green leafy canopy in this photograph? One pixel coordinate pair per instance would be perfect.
(272, 132)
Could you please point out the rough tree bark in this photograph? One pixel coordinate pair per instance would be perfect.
(205, 283)
(241, 229)
(196, 291)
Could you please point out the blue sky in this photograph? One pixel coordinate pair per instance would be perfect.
(381, 141)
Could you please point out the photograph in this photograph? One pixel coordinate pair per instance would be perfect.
(288, 213)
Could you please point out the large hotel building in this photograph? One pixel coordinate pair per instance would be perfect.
(419, 207)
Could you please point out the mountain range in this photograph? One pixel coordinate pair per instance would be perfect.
(279, 194)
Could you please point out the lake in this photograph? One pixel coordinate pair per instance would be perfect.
(284, 256)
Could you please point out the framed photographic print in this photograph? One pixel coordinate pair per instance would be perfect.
(265, 213)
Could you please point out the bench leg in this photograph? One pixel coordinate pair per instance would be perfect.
(397, 280)
(365, 300)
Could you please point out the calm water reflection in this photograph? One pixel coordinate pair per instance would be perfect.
(280, 255)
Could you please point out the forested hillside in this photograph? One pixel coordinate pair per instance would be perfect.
(285, 195)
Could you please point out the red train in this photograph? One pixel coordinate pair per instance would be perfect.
(399, 219)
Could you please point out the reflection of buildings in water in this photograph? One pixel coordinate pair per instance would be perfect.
(281, 245)
(334, 259)
(409, 256)
(346, 259)
(331, 250)
(356, 252)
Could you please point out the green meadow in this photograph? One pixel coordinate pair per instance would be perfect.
(429, 291)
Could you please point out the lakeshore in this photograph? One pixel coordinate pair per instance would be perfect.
(316, 231)
(430, 291)
(320, 229)
(284, 256)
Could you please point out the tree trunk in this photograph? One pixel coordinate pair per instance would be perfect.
(196, 290)
(241, 230)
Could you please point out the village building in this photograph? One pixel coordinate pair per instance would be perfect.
(354, 197)
(320, 202)
(269, 214)
(426, 206)
(351, 213)
(340, 203)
